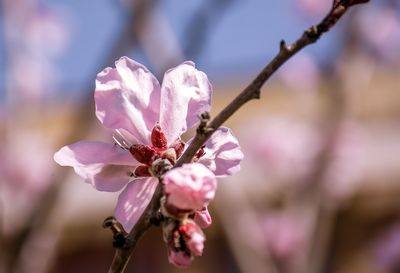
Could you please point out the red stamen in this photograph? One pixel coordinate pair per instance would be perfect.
(143, 153)
(187, 229)
(158, 138)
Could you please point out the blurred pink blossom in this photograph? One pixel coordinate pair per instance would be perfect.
(313, 8)
(346, 163)
(35, 35)
(148, 120)
(301, 74)
(285, 234)
(383, 36)
(284, 149)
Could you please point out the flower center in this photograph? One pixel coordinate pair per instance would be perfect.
(157, 156)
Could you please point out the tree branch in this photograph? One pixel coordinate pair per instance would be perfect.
(252, 91)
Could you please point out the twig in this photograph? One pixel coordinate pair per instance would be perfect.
(252, 91)
(123, 254)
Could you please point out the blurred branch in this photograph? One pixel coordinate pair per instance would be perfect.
(311, 35)
(202, 21)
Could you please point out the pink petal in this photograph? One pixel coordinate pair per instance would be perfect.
(222, 153)
(178, 258)
(128, 97)
(133, 200)
(190, 187)
(202, 218)
(107, 167)
(185, 93)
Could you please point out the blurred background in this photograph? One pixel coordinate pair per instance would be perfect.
(319, 189)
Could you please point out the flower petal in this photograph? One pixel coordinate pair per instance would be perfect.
(202, 217)
(222, 153)
(133, 200)
(185, 93)
(128, 97)
(105, 166)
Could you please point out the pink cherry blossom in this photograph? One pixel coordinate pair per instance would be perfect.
(283, 145)
(147, 120)
(285, 234)
(190, 187)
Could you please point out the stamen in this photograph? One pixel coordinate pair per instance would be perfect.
(125, 141)
(120, 144)
(158, 138)
(143, 153)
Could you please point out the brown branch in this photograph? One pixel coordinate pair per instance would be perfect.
(123, 254)
(252, 91)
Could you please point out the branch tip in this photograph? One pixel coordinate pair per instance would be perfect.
(283, 46)
(203, 126)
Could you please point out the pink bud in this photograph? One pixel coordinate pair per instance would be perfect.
(193, 237)
(191, 186)
(178, 258)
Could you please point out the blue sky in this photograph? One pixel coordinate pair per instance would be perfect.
(239, 45)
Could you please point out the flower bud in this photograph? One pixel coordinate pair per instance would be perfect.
(193, 237)
(190, 187)
(178, 258)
